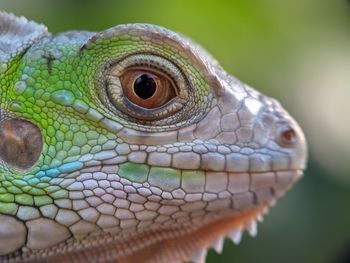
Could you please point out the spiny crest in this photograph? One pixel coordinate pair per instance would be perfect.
(17, 34)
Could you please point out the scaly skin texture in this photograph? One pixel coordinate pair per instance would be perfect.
(86, 175)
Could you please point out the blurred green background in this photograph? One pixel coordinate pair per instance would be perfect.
(296, 51)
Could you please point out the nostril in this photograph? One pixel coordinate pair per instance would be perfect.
(287, 135)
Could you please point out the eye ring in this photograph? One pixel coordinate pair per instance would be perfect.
(119, 93)
(193, 97)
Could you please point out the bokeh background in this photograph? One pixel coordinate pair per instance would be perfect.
(296, 51)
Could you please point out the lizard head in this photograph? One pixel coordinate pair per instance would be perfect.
(131, 143)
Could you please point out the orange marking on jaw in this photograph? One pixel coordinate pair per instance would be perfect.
(182, 247)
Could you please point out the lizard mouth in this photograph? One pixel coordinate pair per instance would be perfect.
(184, 233)
(191, 242)
(188, 236)
(175, 235)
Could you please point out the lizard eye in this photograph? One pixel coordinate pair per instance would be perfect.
(147, 89)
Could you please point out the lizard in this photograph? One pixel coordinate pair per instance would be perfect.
(132, 145)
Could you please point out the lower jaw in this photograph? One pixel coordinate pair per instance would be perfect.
(169, 244)
(191, 243)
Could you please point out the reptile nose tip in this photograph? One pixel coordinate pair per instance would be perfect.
(290, 136)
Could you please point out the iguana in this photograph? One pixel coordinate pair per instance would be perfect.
(131, 145)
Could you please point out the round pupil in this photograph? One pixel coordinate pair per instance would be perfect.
(145, 86)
